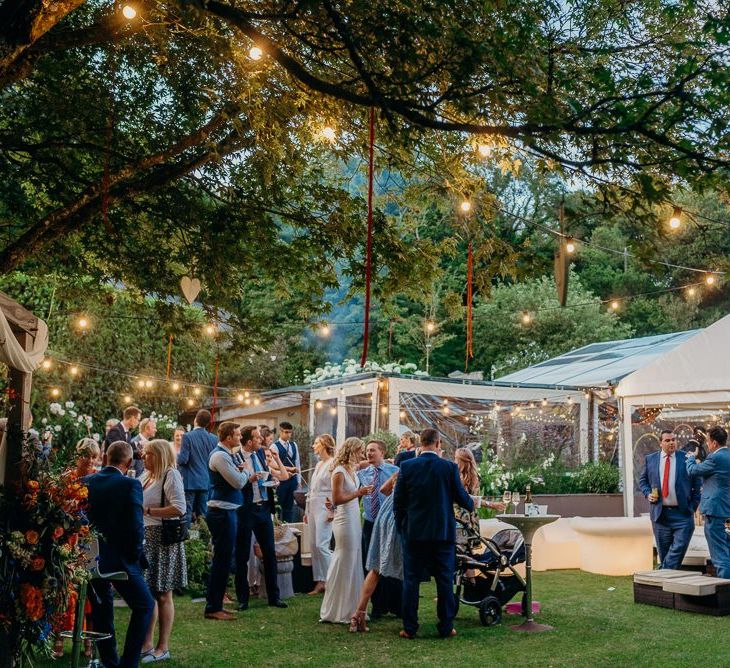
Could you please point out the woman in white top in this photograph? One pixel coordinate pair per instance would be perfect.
(345, 575)
(316, 515)
(167, 566)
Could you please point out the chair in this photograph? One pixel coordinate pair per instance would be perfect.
(77, 634)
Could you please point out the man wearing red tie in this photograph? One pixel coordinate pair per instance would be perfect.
(674, 497)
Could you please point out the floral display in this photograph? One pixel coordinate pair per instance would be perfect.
(350, 367)
(43, 552)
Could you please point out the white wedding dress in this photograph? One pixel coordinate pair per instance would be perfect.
(345, 575)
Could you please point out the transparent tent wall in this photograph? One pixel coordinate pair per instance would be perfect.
(517, 431)
(647, 424)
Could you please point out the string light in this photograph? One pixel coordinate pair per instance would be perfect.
(127, 399)
(129, 12)
(46, 364)
(484, 150)
(430, 326)
(465, 206)
(247, 402)
(190, 402)
(614, 305)
(239, 397)
(255, 53)
(710, 279)
(544, 402)
(328, 133)
(140, 383)
(149, 384)
(246, 394)
(691, 292)
(55, 392)
(256, 401)
(175, 386)
(402, 415)
(526, 318)
(210, 329)
(74, 371)
(83, 323)
(333, 410)
(570, 245)
(587, 395)
(196, 391)
(318, 404)
(324, 330)
(675, 221)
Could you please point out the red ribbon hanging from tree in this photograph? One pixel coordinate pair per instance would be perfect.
(169, 357)
(369, 249)
(215, 391)
(469, 295)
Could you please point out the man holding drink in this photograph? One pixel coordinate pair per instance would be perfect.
(674, 497)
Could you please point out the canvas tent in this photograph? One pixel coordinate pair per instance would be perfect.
(691, 378)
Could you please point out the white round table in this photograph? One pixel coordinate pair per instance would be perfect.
(528, 525)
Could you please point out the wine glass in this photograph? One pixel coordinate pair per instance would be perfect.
(506, 498)
(515, 500)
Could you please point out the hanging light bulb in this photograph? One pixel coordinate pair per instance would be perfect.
(140, 383)
(587, 395)
(318, 404)
(190, 402)
(710, 279)
(196, 391)
(210, 329)
(691, 292)
(328, 133)
(465, 206)
(430, 326)
(175, 386)
(256, 401)
(83, 323)
(149, 384)
(402, 415)
(247, 402)
(55, 392)
(46, 363)
(246, 394)
(570, 401)
(129, 12)
(74, 371)
(127, 399)
(614, 305)
(676, 221)
(239, 397)
(526, 318)
(544, 402)
(446, 410)
(484, 150)
(255, 53)
(333, 410)
(569, 245)
(324, 330)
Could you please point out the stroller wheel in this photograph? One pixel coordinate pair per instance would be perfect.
(490, 611)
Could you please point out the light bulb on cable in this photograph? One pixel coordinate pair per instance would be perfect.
(710, 279)
(614, 305)
(46, 364)
(430, 326)
(129, 12)
(175, 387)
(329, 134)
(484, 150)
(526, 318)
(255, 53)
(675, 221)
(55, 392)
(569, 245)
(127, 399)
(691, 292)
(465, 206)
(74, 371)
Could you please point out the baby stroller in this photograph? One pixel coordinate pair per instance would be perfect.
(485, 576)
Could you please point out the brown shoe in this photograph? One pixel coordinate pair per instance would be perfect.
(221, 615)
(405, 634)
(227, 600)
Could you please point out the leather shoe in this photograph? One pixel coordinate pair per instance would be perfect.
(221, 615)
(242, 606)
(278, 604)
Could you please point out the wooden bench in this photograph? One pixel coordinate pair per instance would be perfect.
(683, 591)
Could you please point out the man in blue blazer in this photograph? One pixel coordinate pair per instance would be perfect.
(192, 462)
(672, 509)
(115, 511)
(715, 506)
(425, 494)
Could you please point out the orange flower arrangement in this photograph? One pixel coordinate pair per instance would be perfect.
(31, 537)
(57, 533)
(31, 599)
(38, 563)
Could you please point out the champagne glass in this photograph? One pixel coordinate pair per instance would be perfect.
(515, 500)
(506, 498)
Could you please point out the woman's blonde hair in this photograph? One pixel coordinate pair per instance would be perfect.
(349, 454)
(467, 469)
(411, 437)
(88, 448)
(328, 443)
(163, 457)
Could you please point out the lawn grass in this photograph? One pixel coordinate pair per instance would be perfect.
(593, 627)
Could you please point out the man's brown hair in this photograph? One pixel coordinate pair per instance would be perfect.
(226, 429)
(131, 411)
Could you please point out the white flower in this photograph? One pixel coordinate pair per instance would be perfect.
(73, 414)
(55, 409)
(69, 404)
(96, 437)
(44, 421)
(89, 421)
(80, 419)
(57, 428)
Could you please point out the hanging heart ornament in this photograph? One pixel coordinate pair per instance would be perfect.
(190, 288)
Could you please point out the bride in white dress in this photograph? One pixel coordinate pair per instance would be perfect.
(345, 575)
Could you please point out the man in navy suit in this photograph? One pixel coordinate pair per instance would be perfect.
(425, 494)
(115, 511)
(122, 431)
(715, 506)
(672, 509)
(192, 462)
(255, 517)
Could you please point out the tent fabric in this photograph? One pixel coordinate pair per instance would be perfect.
(12, 353)
(698, 366)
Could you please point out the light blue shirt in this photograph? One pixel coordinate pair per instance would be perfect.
(367, 477)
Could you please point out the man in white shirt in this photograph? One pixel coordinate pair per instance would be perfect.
(673, 496)
(227, 477)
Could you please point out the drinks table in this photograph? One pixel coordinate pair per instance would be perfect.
(528, 525)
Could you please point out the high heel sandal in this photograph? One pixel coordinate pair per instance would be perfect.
(358, 622)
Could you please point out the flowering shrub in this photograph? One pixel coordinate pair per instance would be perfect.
(44, 538)
(350, 367)
(165, 425)
(63, 424)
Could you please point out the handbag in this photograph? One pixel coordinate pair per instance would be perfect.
(174, 529)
